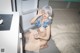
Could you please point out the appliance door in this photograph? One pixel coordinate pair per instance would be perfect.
(27, 10)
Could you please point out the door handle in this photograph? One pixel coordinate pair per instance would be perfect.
(1, 20)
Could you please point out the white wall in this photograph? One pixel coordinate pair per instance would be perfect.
(5, 5)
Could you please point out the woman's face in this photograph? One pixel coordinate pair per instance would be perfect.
(45, 14)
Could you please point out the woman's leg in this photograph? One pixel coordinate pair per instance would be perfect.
(43, 44)
(32, 42)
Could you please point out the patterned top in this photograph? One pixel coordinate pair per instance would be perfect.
(44, 24)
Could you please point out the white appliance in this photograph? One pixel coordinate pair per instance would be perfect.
(9, 32)
(27, 9)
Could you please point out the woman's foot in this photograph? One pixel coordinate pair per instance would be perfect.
(44, 46)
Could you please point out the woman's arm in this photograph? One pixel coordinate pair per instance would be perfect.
(34, 19)
(47, 36)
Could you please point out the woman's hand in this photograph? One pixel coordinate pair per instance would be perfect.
(35, 33)
(37, 16)
(39, 12)
(36, 36)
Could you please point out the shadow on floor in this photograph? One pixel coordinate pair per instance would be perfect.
(51, 48)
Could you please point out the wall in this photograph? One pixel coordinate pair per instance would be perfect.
(66, 16)
(64, 4)
(65, 12)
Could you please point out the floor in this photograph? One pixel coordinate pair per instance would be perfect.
(50, 49)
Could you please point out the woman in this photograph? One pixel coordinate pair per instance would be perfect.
(40, 36)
